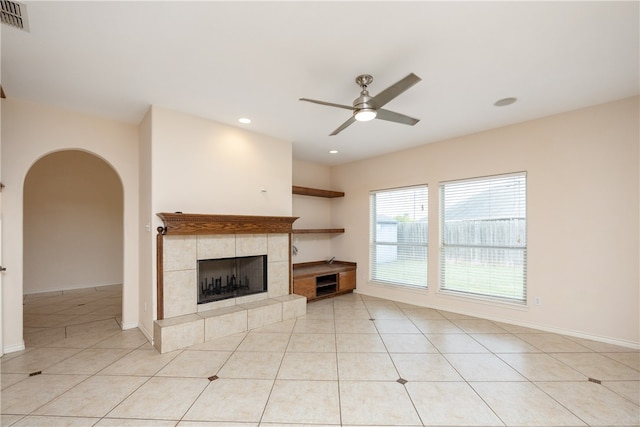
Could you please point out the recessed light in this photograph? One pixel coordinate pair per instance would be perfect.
(504, 102)
(333, 151)
(244, 120)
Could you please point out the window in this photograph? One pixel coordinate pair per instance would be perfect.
(398, 242)
(483, 242)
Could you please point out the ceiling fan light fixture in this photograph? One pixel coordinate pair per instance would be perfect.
(365, 114)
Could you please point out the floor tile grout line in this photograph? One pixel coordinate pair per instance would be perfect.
(607, 355)
(95, 374)
(537, 386)
(197, 397)
(603, 380)
(553, 355)
(404, 385)
(588, 350)
(469, 382)
(275, 378)
(335, 332)
(106, 415)
(128, 395)
(533, 383)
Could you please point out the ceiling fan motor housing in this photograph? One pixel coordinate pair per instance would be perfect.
(363, 100)
(363, 109)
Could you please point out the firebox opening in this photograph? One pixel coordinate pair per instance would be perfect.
(224, 278)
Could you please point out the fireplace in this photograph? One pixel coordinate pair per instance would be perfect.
(224, 278)
(187, 240)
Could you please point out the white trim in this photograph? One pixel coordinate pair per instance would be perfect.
(14, 348)
(482, 299)
(469, 189)
(544, 328)
(70, 290)
(411, 201)
(485, 177)
(127, 326)
(421, 290)
(146, 333)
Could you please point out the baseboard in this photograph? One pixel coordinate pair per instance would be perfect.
(545, 328)
(572, 333)
(146, 333)
(13, 348)
(46, 291)
(126, 326)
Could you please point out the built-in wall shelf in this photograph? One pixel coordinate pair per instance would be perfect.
(316, 192)
(317, 230)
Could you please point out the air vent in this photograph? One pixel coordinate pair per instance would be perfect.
(14, 14)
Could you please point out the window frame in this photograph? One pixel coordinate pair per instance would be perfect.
(375, 241)
(522, 299)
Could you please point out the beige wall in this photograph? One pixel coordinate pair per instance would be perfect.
(170, 162)
(583, 193)
(313, 212)
(31, 131)
(583, 189)
(72, 223)
(146, 231)
(200, 166)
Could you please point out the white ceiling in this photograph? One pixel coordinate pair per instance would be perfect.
(225, 60)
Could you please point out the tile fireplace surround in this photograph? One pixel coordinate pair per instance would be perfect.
(187, 238)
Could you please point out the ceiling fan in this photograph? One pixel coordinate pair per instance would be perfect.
(366, 107)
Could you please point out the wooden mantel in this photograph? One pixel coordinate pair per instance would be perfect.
(203, 224)
(187, 223)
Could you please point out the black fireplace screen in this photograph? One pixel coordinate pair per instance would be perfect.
(224, 278)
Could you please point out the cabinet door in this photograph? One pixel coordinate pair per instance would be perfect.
(347, 280)
(305, 287)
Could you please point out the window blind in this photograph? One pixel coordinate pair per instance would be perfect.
(483, 237)
(398, 236)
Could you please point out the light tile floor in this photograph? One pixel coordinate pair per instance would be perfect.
(338, 365)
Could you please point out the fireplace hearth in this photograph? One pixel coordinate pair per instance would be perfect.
(224, 278)
(186, 239)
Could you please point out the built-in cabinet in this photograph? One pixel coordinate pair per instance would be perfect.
(322, 279)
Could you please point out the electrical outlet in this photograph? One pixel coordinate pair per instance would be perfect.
(538, 301)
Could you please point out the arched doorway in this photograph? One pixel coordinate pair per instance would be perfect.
(73, 238)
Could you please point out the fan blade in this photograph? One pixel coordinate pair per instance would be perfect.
(343, 126)
(394, 90)
(330, 104)
(392, 116)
